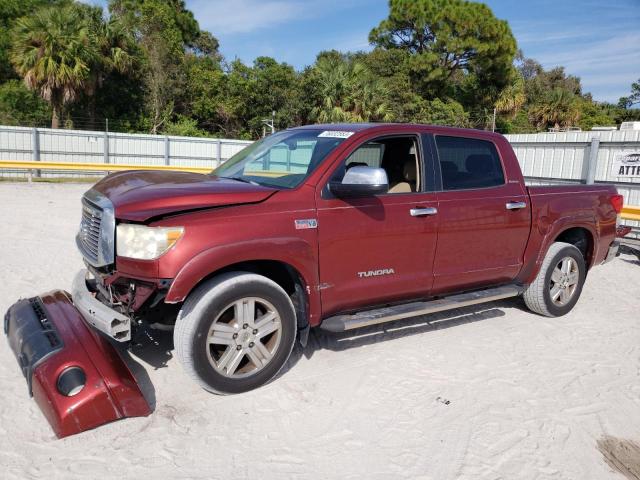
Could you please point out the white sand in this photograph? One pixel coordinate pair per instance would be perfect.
(529, 396)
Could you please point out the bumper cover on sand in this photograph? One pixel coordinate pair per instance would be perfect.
(57, 353)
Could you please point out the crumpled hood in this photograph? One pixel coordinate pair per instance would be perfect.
(139, 195)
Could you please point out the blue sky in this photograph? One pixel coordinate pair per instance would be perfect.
(599, 41)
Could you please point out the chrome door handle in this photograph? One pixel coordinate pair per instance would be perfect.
(515, 205)
(420, 212)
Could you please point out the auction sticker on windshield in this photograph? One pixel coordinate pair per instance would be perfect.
(335, 134)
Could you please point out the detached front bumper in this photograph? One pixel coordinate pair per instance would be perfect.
(76, 376)
(99, 315)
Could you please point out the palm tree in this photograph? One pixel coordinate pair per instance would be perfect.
(559, 109)
(512, 98)
(333, 76)
(348, 92)
(52, 51)
(114, 47)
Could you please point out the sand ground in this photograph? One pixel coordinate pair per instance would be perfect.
(528, 397)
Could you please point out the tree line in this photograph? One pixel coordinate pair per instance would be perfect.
(147, 66)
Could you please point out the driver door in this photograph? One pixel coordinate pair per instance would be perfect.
(378, 249)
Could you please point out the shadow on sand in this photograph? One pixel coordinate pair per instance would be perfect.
(385, 332)
(155, 347)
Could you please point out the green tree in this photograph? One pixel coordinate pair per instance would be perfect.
(512, 97)
(595, 115)
(10, 11)
(560, 108)
(538, 82)
(447, 40)
(437, 112)
(633, 99)
(20, 106)
(346, 90)
(165, 30)
(116, 54)
(53, 52)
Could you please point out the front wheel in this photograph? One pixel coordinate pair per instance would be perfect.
(235, 332)
(558, 285)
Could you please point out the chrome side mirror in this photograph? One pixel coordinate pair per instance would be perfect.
(361, 181)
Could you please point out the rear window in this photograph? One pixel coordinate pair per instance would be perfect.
(468, 163)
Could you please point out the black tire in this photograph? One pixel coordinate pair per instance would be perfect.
(205, 305)
(538, 295)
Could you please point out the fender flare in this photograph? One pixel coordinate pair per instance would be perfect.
(291, 251)
(530, 270)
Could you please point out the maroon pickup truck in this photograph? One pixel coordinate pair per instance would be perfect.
(329, 226)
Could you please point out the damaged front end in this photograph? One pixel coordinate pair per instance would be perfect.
(75, 375)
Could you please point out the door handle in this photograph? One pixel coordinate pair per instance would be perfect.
(421, 212)
(515, 205)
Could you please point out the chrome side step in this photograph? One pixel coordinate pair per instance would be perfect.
(341, 323)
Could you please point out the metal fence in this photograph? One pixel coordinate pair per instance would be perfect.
(75, 146)
(579, 157)
(545, 158)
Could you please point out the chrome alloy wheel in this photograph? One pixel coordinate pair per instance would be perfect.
(244, 337)
(564, 281)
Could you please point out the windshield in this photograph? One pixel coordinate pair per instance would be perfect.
(282, 160)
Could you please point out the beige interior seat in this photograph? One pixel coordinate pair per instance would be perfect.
(409, 176)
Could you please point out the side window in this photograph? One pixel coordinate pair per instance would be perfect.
(468, 163)
(399, 156)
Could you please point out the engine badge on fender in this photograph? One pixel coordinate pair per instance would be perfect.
(307, 223)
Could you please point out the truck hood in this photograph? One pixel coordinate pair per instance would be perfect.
(139, 195)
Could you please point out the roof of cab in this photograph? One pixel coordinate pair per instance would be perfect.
(348, 127)
(358, 127)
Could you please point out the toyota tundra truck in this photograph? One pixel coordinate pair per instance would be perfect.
(330, 226)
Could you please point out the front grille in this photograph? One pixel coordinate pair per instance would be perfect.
(89, 235)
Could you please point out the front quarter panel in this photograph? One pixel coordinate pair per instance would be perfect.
(218, 238)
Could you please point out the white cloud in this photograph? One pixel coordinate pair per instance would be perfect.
(607, 67)
(238, 16)
(241, 16)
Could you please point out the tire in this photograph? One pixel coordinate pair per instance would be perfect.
(553, 292)
(232, 316)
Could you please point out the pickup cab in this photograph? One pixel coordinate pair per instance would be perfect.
(330, 226)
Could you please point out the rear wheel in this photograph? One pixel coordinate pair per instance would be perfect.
(558, 285)
(235, 332)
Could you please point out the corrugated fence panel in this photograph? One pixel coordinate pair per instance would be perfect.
(552, 158)
(545, 158)
(17, 143)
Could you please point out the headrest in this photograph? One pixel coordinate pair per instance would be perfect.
(409, 171)
(448, 167)
(356, 164)
(479, 163)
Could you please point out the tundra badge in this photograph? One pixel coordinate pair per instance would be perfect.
(376, 273)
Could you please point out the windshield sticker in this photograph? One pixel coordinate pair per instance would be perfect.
(335, 134)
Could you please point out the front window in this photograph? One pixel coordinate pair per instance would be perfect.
(282, 160)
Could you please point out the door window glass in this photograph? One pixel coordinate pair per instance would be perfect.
(398, 156)
(468, 163)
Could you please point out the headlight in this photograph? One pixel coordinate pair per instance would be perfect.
(145, 243)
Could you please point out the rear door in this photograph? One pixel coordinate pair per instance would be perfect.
(378, 249)
(484, 216)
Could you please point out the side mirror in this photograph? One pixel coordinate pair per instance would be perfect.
(361, 181)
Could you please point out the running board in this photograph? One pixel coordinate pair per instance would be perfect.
(341, 323)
